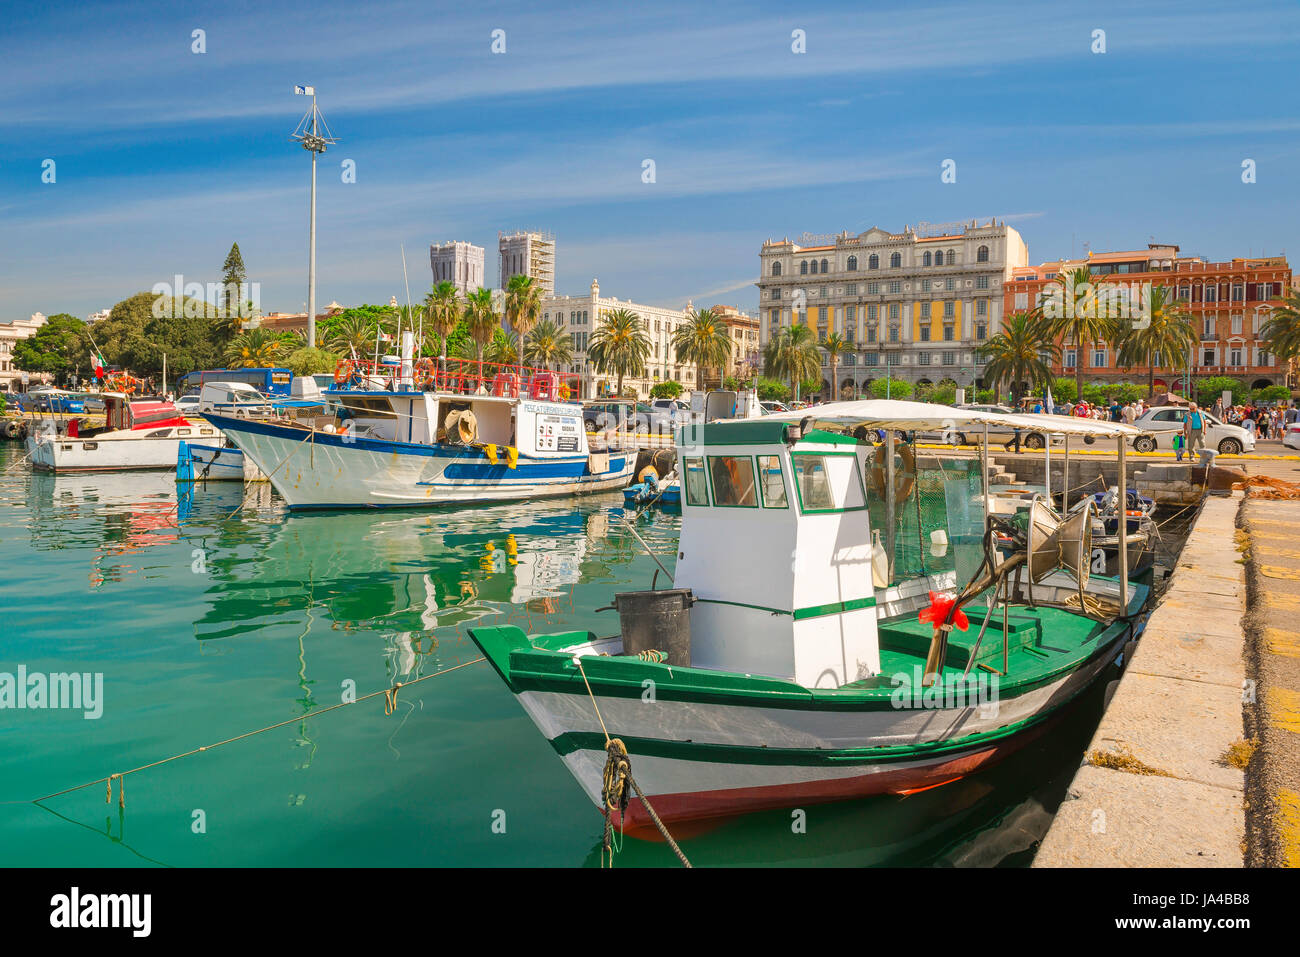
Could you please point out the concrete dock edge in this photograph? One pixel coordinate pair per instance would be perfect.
(1156, 788)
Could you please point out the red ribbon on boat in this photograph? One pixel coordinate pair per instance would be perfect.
(937, 613)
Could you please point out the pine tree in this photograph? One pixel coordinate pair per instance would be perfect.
(232, 277)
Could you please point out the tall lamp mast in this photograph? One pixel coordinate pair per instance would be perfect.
(314, 135)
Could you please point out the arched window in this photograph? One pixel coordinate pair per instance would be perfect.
(873, 262)
(803, 268)
(895, 260)
(952, 257)
(853, 264)
(813, 270)
(825, 266)
(776, 269)
(925, 258)
(982, 254)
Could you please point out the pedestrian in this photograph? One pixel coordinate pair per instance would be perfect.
(1014, 440)
(1194, 429)
(1178, 446)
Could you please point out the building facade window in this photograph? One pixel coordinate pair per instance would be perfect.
(803, 268)
(1070, 358)
(949, 284)
(891, 359)
(926, 258)
(981, 330)
(981, 282)
(1099, 358)
(776, 269)
(948, 333)
(1236, 325)
(948, 309)
(873, 289)
(893, 333)
(982, 254)
(895, 287)
(925, 333)
(873, 261)
(871, 359)
(895, 260)
(950, 358)
(982, 307)
(923, 358)
(952, 257)
(893, 310)
(851, 289)
(1234, 356)
(853, 264)
(825, 267)
(872, 312)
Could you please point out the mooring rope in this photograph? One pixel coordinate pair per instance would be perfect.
(390, 695)
(618, 769)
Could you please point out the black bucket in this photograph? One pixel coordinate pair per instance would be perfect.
(657, 621)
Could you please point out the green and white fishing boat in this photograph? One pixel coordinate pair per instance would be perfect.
(845, 619)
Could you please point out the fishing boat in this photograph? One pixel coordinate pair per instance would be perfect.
(440, 434)
(825, 666)
(665, 492)
(138, 433)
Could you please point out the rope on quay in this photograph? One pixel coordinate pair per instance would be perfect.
(618, 773)
(390, 705)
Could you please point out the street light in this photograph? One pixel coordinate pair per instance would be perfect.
(309, 134)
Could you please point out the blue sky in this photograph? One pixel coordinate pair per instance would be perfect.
(164, 157)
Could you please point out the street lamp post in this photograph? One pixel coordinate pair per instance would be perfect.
(314, 135)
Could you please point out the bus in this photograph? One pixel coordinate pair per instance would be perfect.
(266, 381)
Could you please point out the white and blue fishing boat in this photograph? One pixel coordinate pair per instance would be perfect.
(443, 434)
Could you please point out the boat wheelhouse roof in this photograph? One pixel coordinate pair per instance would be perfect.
(896, 414)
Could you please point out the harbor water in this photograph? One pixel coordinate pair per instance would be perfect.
(222, 614)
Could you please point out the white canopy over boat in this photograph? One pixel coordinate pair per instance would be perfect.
(896, 414)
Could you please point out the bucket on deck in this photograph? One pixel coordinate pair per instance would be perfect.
(657, 620)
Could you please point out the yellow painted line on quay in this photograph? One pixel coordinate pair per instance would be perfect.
(1284, 709)
(1277, 571)
(1279, 642)
(1280, 600)
(1288, 826)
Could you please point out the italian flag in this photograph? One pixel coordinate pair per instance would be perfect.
(99, 365)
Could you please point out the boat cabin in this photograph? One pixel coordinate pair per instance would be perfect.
(122, 413)
(537, 428)
(776, 547)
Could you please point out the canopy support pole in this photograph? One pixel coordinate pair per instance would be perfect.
(1122, 528)
(1047, 465)
(984, 479)
(1065, 477)
(890, 516)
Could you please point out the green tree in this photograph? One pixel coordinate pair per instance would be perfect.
(894, 388)
(253, 349)
(1282, 329)
(1209, 389)
(523, 306)
(1016, 355)
(233, 277)
(352, 336)
(1165, 339)
(835, 345)
(481, 322)
(1072, 309)
(1064, 390)
(666, 390)
(1270, 393)
(619, 346)
(773, 390)
(703, 339)
(60, 347)
(792, 356)
(547, 344)
(442, 307)
(304, 361)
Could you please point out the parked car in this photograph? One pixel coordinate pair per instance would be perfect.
(624, 415)
(1291, 436)
(188, 404)
(771, 407)
(1163, 422)
(60, 402)
(678, 411)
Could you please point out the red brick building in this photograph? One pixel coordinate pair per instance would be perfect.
(1229, 303)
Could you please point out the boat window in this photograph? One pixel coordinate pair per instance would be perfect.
(828, 482)
(733, 481)
(769, 472)
(697, 489)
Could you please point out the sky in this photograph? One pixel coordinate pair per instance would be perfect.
(163, 156)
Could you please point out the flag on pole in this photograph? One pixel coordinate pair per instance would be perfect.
(99, 365)
(305, 90)
(1048, 404)
(384, 337)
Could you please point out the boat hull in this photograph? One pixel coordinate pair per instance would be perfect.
(323, 471)
(697, 758)
(106, 454)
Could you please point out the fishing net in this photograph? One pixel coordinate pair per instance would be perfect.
(1265, 486)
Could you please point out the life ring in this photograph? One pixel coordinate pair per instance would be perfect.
(424, 374)
(343, 371)
(904, 477)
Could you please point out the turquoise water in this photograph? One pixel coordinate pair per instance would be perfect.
(225, 614)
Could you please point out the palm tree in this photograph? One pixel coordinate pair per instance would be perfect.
(793, 356)
(442, 311)
(834, 346)
(256, 348)
(501, 350)
(703, 339)
(1168, 336)
(1016, 354)
(619, 346)
(523, 308)
(547, 344)
(1070, 310)
(481, 321)
(1282, 329)
(352, 336)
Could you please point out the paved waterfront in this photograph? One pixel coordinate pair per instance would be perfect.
(1158, 786)
(1273, 574)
